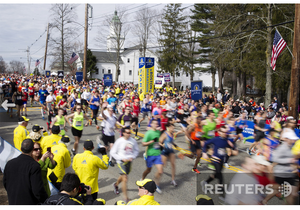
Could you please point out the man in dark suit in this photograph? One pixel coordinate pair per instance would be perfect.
(22, 178)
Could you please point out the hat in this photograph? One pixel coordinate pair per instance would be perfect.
(65, 139)
(290, 135)
(22, 119)
(156, 113)
(164, 110)
(55, 129)
(148, 184)
(109, 107)
(99, 201)
(204, 200)
(36, 128)
(88, 144)
(61, 91)
(261, 160)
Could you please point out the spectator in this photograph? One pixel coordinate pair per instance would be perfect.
(23, 179)
(68, 191)
(20, 132)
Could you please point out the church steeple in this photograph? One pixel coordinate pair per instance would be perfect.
(115, 34)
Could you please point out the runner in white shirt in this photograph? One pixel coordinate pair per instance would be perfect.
(124, 151)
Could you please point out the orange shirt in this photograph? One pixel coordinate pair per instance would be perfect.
(162, 102)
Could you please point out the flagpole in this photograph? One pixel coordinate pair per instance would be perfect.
(286, 44)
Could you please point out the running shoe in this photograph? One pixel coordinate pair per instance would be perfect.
(73, 152)
(116, 189)
(199, 164)
(158, 190)
(203, 183)
(211, 167)
(43, 117)
(174, 183)
(226, 165)
(139, 125)
(91, 122)
(137, 138)
(248, 151)
(195, 170)
(97, 127)
(111, 163)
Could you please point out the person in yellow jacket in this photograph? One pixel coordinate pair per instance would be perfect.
(147, 187)
(50, 141)
(63, 158)
(86, 165)
(20, 132)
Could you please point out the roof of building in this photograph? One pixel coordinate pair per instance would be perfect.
(104, 57)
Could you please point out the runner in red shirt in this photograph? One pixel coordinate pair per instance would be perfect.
(63, 104)
(164, 120)
(24, 98)
(31, 94)
(136, 109)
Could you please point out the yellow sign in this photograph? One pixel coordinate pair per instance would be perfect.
(146, 75)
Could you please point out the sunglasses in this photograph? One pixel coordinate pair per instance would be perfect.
(78, 108)
(36, 149)
(127, 132)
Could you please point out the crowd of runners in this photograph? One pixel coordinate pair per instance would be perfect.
(212, 127)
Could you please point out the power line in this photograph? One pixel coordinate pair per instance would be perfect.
(38, 38)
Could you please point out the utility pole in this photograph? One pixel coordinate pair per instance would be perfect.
(294, 91)
(28, 59)
(46, 47)
(85, 43)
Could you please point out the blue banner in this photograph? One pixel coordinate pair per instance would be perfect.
(107, 79)
(141, 62)
(196, 90)
(79, 76)
(47, 73)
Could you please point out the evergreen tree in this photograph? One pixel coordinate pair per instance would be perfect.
(171, 40)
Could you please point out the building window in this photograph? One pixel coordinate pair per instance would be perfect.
(128, 60)
(187, 74)
(97, 71)
(130, 72)
(178, 74)
(109, 71)
(102, 71)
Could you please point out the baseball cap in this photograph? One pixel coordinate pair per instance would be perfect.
(55, 129)
(23, 118)
(261, 160)
(204, 200)
(164, 110)
(156, 113)
(88, 144)
(43, 86)
(109, 107)
(65, 139)
(290, 135)
(36, 128)
(148, 184)
(61, 91)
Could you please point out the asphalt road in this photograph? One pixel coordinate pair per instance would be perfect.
(188, 182)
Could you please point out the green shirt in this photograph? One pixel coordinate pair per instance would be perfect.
(154, 148)
(78, 121)
(209, 129)
(44, 167)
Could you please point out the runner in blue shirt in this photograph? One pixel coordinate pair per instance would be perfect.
(43, 93)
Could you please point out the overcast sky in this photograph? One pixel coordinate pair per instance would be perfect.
(24, 25)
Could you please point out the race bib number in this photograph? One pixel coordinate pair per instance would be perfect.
(19, 97)
(97, 103)
(168, 145)
(31, 91)
(211, 133)
(62, 127)
(113, 104)
(221, 151)
(78, 123)
(127, 124)
(198, 134)
(156, 145)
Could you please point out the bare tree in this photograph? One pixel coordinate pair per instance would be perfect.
(3, 65)
(115, 37)
(16, 66)
(144, 25)
(61, 45)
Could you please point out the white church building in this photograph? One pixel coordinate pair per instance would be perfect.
(129, 62)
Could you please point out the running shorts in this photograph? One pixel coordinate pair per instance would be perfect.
(153, 160)
(76, 132)
(108, 139)
(125, 168)
(135, 119)
(195, 147)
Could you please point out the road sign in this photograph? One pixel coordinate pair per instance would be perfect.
(6, 105)
(60, 74)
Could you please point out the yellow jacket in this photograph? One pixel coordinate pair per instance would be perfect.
(86, 165)
(20, 134)
(49, 141)
(144, 200)
(63, 159)
(296, 148)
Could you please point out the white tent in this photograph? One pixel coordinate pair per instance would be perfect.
(54, 73)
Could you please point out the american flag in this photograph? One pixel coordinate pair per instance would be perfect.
(278, 45)
(37, 62)
(73, 58)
